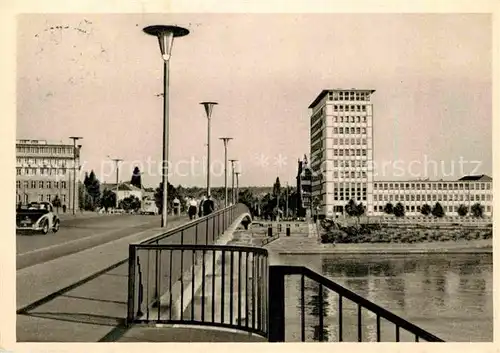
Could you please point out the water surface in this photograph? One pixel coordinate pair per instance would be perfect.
(448, 295)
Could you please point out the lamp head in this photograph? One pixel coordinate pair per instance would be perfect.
(165, 35)
(208, 107)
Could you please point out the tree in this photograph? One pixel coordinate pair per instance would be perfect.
(437, 210)
(389, 208)
(351, 208)
(426, 210)
(477, 210)
(399, 210)
(276, 187)
(130, 203)
(108, 199)
(136, 178)
(462, 210)
(93, 188)
(360, 210)
(171, 195)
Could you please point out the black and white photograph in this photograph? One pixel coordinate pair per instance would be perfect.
(253, 177)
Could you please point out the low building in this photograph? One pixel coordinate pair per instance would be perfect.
(467, 191)
(124, 190)
(45, 170)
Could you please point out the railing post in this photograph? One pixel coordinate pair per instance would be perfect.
(131, 284)
(276, 313)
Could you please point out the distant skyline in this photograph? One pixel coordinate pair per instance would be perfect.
(98, 76)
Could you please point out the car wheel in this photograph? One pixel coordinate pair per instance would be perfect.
(45, 227)
(56, 227)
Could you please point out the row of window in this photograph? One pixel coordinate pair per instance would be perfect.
(351, 130)
(446, 208)
(41, 198)
(353, 152)
(352, 141)
(347, 174)
(33, 184)
(44, 150)
(432, 186)
(347, 119)
(350, 164)
(432, 197)
(54, 162)
(317, 116)
(348, 96)
(348, 197)
(349, 108)
(41, 171)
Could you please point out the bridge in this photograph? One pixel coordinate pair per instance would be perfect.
(190, 283)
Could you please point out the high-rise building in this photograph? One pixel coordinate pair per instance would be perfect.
(342, 164)
(44, 170)
(342, 149)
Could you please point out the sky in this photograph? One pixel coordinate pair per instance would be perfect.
(99, 76)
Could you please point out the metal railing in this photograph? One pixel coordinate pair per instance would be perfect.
(277, 326)
(214, 285)
(148, 264)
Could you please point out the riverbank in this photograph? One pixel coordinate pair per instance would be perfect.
(312, 246)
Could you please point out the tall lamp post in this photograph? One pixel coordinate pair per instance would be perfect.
(74, 138)
(225, 140)
(165, 35)
(117, 165)
(232, 179)
(237, 186)
(209, 106)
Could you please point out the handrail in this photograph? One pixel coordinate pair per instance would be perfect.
(278, 272)
(187, 225)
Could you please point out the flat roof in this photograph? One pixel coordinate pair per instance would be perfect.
(325, 91)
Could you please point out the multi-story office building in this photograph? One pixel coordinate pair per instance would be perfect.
(44, 170)
(342, 164)
(342, 148)
(450, 194)
(304, 177)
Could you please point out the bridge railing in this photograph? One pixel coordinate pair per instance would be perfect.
(148, 277)
(345, 299)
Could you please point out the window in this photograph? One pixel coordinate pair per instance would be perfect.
(352, 119)
(335, 130)
(18, 171)
(364, 108)
(63, 184)
(352, 130)
(336, 119)
(47, 198)
(40, 197)
(363, 152)
(358, 130)
(18, 184)
(364, 119)
(363, 130)
(33, 184)
(63, 198)
(49, 185)
(40, 184)
(358, 119)
(26, 184)
(341, 130)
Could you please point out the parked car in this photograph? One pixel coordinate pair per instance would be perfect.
(38, 217)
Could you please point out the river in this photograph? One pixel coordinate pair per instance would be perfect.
(448, 295)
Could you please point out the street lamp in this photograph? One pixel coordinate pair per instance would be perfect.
(225, 140)
(237, 186)
(165, 35)
(209, 106)
(232, 179)
(74, 138)
(117, 161)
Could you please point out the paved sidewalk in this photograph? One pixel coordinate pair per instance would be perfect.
(43, 290)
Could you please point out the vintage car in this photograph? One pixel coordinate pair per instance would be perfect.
(37, 217)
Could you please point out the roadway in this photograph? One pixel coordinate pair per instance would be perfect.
(77, 234)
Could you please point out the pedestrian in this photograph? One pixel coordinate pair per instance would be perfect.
(208, 206)
(200, 207)
(192, 208)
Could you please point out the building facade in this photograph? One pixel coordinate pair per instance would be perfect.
(341, 142)
(342, 149)
(44, 170)
(125, 189)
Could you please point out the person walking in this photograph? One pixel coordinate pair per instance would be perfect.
(200, 207)
(208, 206)
(192, 208)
